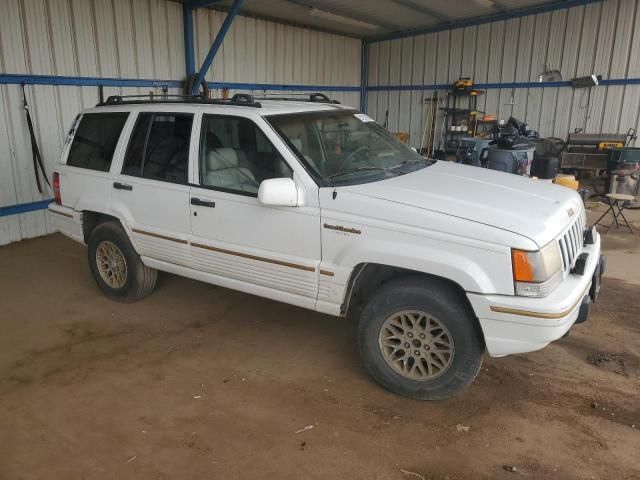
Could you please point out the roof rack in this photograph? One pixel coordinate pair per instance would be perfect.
(239, 99)
(295, 97)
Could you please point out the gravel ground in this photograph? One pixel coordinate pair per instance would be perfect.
(202, 382)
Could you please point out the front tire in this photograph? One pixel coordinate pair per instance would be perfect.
(115, 265)
(418, 338)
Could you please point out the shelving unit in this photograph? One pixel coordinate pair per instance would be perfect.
(455, 113)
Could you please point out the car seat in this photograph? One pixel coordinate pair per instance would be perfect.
(223, 171)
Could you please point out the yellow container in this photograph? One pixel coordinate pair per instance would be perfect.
(568, 181)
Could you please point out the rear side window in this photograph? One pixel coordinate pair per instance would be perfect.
(95, 140)
(159, 147)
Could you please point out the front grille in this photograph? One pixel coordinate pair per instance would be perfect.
(571, 243)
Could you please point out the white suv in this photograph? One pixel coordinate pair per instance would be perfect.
(313, 203)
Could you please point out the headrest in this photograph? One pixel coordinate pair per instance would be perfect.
(222, 158)
(213, 141)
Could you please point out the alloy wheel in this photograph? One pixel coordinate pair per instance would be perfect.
(112, 265)
(416, 345)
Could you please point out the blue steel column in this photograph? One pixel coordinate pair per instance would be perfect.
(189, 53)
(216, 44)
(364, 76)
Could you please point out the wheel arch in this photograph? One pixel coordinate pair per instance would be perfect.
(366, 278)
(91, 219)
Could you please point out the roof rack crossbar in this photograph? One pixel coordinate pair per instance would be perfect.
(151, 96)
(243, 100)
(239, 99)
(294, 97)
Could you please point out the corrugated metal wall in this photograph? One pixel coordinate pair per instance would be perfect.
(257, 51)
(99, 38)
(601, 38)
(132, 39)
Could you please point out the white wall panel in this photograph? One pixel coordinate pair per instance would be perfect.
(555, 47)
(568, 68)
(480, 74)
(523, 64)
(134, 39)
(416, 98)
(600, 38)
(394, 79)
(258, 51)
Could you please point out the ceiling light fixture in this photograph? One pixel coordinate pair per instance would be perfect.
(339, 18)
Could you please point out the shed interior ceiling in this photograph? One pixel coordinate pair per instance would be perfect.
(382, 16)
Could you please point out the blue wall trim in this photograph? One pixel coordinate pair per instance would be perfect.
(10, 78)
(16, 79)
(469, 22)
(281, 87)
(24, 207)
(392, 88)
(487, 86)
(621, 81)
(201, 3)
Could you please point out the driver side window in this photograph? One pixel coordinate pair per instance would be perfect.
(235, 155)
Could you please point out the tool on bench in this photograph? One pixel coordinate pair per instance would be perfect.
(588, 151)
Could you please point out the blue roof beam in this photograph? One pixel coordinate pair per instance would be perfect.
(187, 27)
(217, 43)
(193, 4)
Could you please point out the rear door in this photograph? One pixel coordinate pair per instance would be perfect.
(151, 190)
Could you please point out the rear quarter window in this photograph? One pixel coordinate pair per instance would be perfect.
(95, 140)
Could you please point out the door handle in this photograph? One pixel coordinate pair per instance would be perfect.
(122, 186)
(202, 203)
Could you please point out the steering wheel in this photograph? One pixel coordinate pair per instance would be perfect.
(352, 155)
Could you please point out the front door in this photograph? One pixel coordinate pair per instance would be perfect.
(268, 251)
(151, 193)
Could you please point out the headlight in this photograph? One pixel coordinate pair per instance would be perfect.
(536, 274)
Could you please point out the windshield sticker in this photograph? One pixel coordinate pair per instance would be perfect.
(363, 118)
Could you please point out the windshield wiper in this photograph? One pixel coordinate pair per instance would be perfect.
(404, 163)
(353, 170)
(412, 161)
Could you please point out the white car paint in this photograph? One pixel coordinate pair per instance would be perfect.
(448, 220)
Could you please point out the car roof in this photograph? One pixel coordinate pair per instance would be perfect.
(267, 107)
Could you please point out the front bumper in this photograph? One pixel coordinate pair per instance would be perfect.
(514, 324)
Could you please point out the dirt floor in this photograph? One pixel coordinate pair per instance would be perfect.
(200, 382)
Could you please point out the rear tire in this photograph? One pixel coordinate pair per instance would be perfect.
(418, 338)
(115, 265)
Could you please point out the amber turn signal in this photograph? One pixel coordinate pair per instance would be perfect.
(522, 267)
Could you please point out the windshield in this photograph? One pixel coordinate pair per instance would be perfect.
(346, 147)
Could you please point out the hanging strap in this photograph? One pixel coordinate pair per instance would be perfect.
(35, 151)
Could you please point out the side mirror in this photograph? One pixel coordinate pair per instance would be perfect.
(278, 192)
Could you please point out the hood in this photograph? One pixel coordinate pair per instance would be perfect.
(532, 208)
